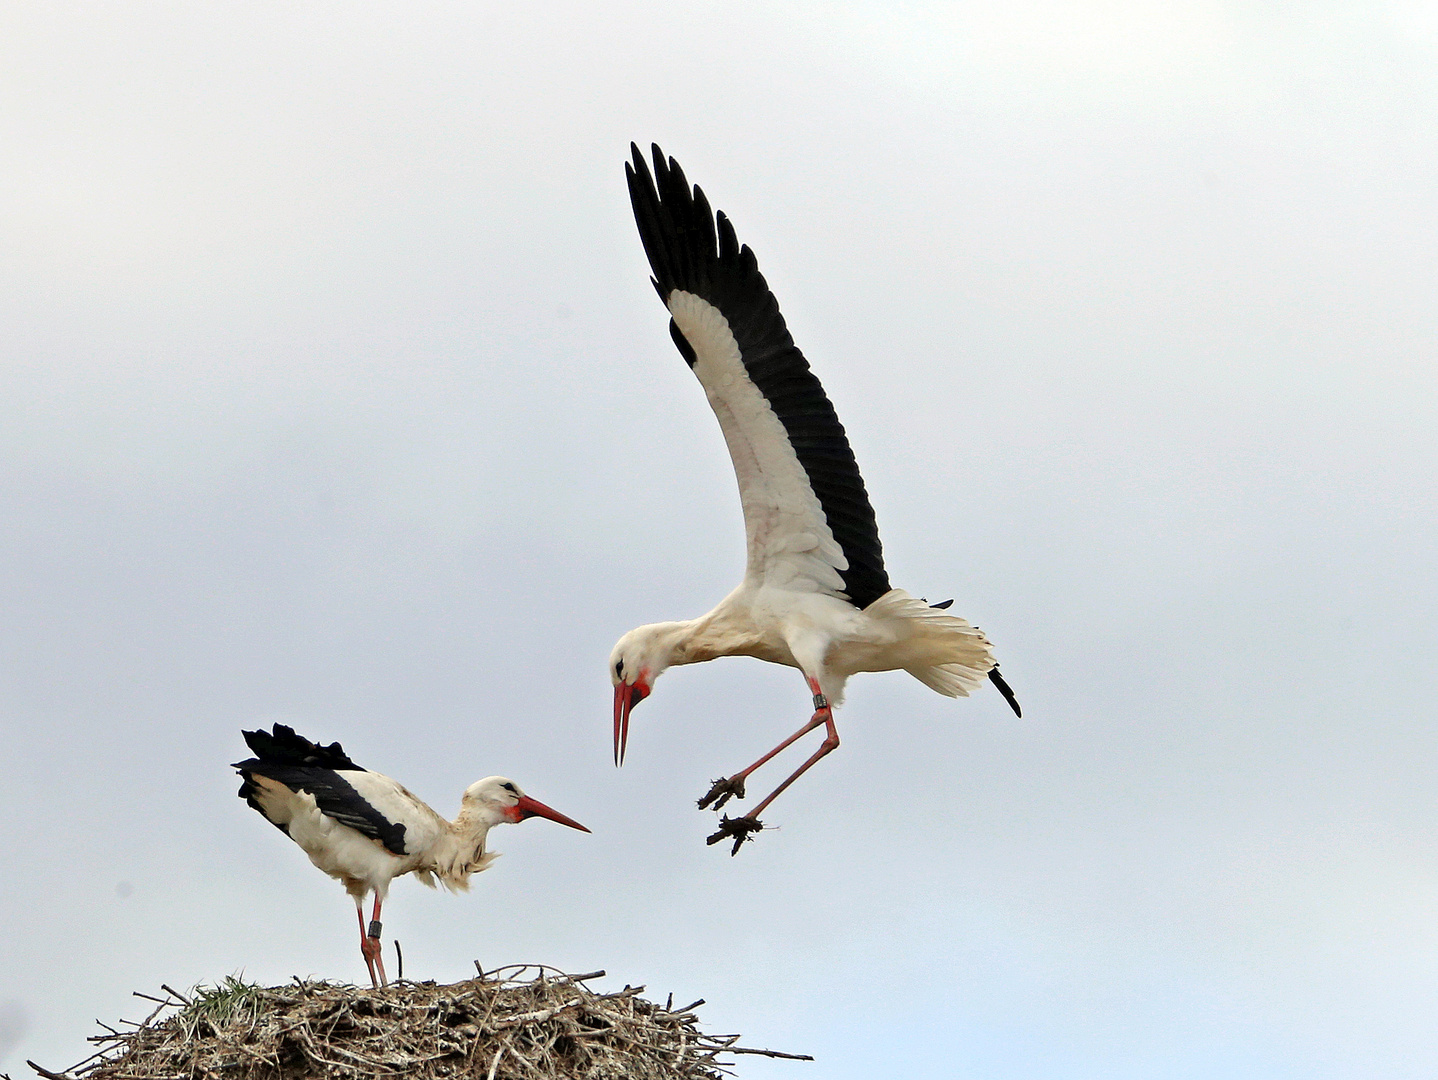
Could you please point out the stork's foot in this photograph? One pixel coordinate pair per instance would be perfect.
(723, 790)
(740, 828)
(372, 951)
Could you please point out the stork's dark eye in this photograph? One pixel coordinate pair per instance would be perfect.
(619, 669)
(511, 789)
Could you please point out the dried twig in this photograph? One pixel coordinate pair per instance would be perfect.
(175, 993)
(587, 976)
(768, 1053)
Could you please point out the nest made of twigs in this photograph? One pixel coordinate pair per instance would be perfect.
(499, 1026)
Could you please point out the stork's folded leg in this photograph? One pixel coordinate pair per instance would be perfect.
(365, 950)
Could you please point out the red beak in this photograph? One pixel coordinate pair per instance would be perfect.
(626, 696)
(527, 808)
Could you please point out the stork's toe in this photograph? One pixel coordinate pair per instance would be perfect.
(740, 828)
(722, 791)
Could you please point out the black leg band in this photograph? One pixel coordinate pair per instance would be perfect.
(374, 929)
(820, 702)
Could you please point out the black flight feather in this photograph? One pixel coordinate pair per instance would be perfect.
(283, 746)
(998, 680)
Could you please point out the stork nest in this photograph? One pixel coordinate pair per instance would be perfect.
(499, 1026)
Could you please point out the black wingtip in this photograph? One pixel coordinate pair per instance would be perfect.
(1005, 689)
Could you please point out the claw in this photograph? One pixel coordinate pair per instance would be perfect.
(739, 828)
(723, 790)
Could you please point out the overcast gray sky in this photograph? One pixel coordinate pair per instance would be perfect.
(333, 391)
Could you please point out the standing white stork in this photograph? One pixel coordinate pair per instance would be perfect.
(366, 830)
(815, 595)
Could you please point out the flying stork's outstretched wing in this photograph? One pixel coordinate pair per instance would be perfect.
(806, 512)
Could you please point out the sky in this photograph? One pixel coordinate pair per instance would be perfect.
(333, 392)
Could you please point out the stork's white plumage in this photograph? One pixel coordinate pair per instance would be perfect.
(815, 595)
(366, 830)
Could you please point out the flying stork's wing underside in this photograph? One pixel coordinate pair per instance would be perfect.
(802, 493)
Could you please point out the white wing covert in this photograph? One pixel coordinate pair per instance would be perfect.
(396, 804)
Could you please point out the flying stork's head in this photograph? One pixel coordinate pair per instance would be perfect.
(639, 658)
(496, 800)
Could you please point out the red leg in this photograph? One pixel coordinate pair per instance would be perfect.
(831, 741)
(734, 785)
(740, 828)
(373, 939)
(364, 943)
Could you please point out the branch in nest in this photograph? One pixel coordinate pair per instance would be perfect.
(536, 1017)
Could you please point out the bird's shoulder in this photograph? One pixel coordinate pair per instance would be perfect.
(394, 802)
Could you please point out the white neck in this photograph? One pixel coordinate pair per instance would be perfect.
(460, 851)
(672, 643)
(728, 630)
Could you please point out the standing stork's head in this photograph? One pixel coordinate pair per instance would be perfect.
(639, 658)
(496, 800)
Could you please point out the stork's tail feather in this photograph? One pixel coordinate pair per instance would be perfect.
(944, 652)
(951, 680)
(1000, 683)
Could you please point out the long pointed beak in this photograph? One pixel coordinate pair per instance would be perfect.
(528, 807)
(626, 696)
(623, 694)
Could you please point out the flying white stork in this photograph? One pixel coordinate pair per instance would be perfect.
(366, 830)
(815, 595)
